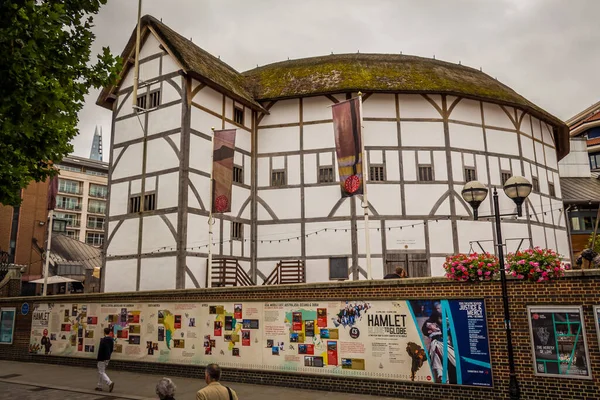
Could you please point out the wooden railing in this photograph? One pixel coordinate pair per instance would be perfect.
(228, 272)
(287, 272)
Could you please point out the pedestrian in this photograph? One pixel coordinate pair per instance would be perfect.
(165, 389)
(104, 352)
(214, 390)
(399, 274)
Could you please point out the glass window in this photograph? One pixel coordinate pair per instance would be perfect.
(68, 186)
(7, 325)
(95, 222)
(97, 207)
(73, 220)
(95, 173)
(100, 191)
(575, 226)
(326, 174)
(68, 168)
(68, 203)
(73, 234)
(94, 239)
(238, 115)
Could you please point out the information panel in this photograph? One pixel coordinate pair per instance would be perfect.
(559, 342)
(7, 325)
(438, 341)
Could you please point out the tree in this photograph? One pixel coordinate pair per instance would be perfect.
(45, 72)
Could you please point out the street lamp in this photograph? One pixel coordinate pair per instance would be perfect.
(517, 189)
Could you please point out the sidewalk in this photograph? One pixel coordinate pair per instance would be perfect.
(49, 382)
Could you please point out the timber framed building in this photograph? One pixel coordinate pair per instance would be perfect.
(429, 126)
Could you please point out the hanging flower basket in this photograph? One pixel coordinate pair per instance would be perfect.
(535, 265)
(472, 267)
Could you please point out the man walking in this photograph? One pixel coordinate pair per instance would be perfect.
(214, 390)
(104, 352)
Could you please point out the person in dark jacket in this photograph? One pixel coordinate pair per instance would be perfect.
(399, 274)
(104, 352)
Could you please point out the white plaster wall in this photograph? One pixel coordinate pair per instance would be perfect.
(547, 136)
(170, 65)
(437, 266)
(210, 99)
(420, 199)
(511, 232)
(398, 239)
(285, 203)
(562, 244)
(495, 116)
(243, 140)
(155, 267)
(475, 231)
(527, 148)
(408, 162)
(422, 134)
(385, 198)
(239, 196)
(374, 237)
(275, 140)
(150, 46)
(482, 170)
(276, 233)
(379, 106)
(457, 167)
(330, 243)
(550, 239)
(551, 160)
(118, 198)
(494, 168)
(130, 163)
(416, 106)
(127, 129)
(440, 238)
(156, 233)
(466, 137)
(319, 201)
(392, 165)
(149, 70)
(264, 178)
(318, 136)
(160, 156)
(198, 234)
(125, 239)
(539, 152)
(380, 133)
(439, 165)
(200, 153)
(293, 171)
(169, 93)
(502, 142)
(318, 270)
(316, 108)
(537, 233)
(203, 122)
(202, 185)
(537, 131)
(120, 276)
(197, 266)
(164, 119)
(283, 112)
(168, 190)
(466, 110)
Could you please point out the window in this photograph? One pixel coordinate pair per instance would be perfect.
(376, 173)
(94, 239)
(7, 324)
(73, 220)
(100, 191)
(338, 268)
(595, 161)
(278, 177)
(504, 176)
(237, 231)
(95, 173)
(73, 234)
(425, 173)
(325, 174)
(95, 222)
(68, 168)
(551, 189)
(134, 204)
(470, 174)
(97, 207)
(535, 183)
(238, 114)
(68, 203)
(141, 101)
(154, 98)
(238, 174)
(583, 219)
(67, 186)
(150, 202)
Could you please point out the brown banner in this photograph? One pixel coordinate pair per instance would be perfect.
(224, 148)
(346, 126)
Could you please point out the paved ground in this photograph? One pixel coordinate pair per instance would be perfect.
(56, 382)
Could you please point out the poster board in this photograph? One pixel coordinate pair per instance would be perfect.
(7, 325)
(431, 341)
(558, 339)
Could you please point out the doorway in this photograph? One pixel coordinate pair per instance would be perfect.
(415, 264)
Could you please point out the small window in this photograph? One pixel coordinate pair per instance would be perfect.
(134, 204)
(237, 231)
(536, 184)
(504, 176)
(73, 234)
(425, 173)
(238, 114)
(67, 186)
(376, 173)
(154, 98)
(141, 101)
(94, 239)
(551, 189)
(470, 174)
(325, 174)
(95, 223)
(338, 268)
(150, 202)
(238, 174)
(278, 178)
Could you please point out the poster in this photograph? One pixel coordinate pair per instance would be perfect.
(559, 342)
(7, 325)
(432, 341)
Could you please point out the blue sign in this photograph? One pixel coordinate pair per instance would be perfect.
(25, 308)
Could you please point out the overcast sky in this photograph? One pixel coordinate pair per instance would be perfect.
(546, 50)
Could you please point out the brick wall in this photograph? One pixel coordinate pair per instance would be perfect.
(577, 288)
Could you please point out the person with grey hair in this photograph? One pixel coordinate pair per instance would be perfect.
(214, 390)
(165, 389)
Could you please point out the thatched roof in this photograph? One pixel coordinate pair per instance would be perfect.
(343, 73)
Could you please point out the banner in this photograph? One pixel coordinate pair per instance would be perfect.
(559, 342)
(431, 341)
(348, 136)
(223, 150)
(7, 325)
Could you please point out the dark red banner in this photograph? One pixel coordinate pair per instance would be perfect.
(347, 129)
(223, 150)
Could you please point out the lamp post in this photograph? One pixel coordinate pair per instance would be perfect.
(517, 189)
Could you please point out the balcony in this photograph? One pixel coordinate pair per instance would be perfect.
(98, 194)
(96, 226)
(71, 191)
(97, 210)
(68, 206)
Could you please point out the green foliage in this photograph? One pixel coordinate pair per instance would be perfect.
(45, 74)
(596, 244)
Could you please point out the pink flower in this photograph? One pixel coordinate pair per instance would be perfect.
(519, 276)
(514, 273)
(488, 273)
(479, 272)
(521, 262)
(452, 269)
(544, 274)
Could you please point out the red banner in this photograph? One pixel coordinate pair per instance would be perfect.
(347, 130)
(223, 150)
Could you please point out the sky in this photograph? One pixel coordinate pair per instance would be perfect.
(546, 50)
